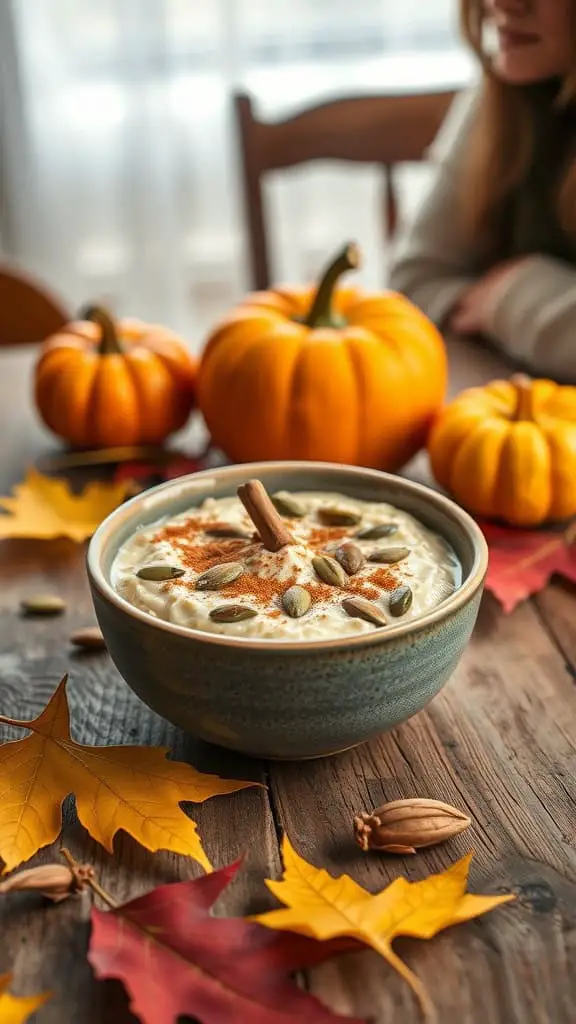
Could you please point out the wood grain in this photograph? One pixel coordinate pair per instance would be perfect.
(42, 944)
(499, 742)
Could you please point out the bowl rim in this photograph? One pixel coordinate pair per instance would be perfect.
(105, 532)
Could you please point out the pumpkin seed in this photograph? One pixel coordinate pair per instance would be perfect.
(296, 601)
(389, 556)
(90, 639)
(360, 608)
(160, 573)
(232, 613)
(400, 601)
(338, 516)
(43, 604)
(288, 506)
(227, 531)
(350, 557)
(376, 532)
(219, 576)
(329, 571)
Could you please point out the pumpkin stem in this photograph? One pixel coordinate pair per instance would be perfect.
(109, 342)
(524, 406)
(320, 314)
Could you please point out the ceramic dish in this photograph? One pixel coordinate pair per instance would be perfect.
(279, 698)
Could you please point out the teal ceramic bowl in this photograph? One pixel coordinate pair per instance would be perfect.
(284, 699)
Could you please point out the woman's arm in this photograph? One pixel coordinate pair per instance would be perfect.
(434, 261)
(531, 314)
(527, 307)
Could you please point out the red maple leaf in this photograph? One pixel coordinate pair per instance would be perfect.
(180, 465)
(522, 561)
(174, 958)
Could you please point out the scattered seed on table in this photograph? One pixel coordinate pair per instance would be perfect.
(90, 639)
(43, 604)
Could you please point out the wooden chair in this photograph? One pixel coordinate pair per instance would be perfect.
(28, 313)
(385, 130)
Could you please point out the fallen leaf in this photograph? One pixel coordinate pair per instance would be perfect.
(522, 561)
(219, 969)
(130, 788)
(17, 1009)
(318, 905)
(178, 465)
(45, 508)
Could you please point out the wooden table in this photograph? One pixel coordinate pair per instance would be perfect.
(499, 741)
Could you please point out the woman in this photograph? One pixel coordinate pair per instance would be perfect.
(493, 249)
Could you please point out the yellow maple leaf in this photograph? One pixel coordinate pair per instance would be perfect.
(128, 787)
(44, 508)
(17, 1009)
(324, 907)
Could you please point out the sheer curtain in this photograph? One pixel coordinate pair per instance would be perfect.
(118, 164)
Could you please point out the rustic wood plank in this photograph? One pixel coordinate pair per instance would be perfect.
(557, 608)
(499, 742)
(105, 711)
(44, 945)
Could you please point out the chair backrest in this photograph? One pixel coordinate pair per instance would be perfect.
(385, 130)
(28, 313)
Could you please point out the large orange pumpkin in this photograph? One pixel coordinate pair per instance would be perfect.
(508, 450)
(334, 374)
(99, 383)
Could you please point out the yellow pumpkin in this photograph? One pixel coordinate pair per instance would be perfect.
(99, 383)
(508, 450)
(339, 375)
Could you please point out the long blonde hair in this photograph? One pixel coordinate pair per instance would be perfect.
(503, 141)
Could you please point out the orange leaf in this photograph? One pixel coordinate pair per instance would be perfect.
(131, 788)
(17, 1009)
(323, 907)
(44, 508)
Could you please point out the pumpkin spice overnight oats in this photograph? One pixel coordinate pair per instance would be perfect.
(296, 567)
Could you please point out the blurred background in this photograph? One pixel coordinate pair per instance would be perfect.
(119, 159)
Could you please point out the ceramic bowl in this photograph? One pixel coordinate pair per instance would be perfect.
(283, 699)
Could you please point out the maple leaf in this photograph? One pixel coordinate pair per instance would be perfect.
(318, 905)
(17, 1009)
(175, 465)
(44, 508)
(122, 787)
(220, 969)
(522, 561)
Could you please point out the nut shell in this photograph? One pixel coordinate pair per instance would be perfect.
(404, 826)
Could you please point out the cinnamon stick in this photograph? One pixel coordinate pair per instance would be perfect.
(269, 524)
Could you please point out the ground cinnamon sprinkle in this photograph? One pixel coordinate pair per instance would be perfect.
(264, 590)
(204, 556)
(267, 591)
(321, 592)
(383, 578)
(178, 532)
(200, 557)
(320, 536)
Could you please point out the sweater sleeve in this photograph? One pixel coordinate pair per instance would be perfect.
(533, 316)
(433, 263)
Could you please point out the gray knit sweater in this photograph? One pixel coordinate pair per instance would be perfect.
(532, 317)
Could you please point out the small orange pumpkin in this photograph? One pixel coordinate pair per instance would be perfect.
(99, 383)
(338, 375)
(508, 450)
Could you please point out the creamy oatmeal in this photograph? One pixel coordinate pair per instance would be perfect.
(349, 567)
